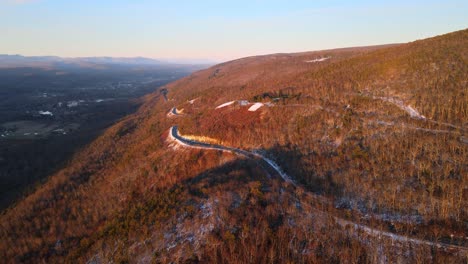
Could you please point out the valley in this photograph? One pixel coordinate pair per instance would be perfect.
(49, 111)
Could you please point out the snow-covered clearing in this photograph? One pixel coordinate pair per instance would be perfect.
(225, 104)
(318, 60)
(255, 107)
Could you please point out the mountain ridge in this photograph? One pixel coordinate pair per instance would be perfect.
(132, 195)
(7, 61)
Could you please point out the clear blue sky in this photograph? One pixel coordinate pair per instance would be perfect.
(216, 29)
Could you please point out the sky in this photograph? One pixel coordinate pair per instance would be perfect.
(216, 30)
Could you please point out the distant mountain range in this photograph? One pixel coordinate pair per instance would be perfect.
(12, 61)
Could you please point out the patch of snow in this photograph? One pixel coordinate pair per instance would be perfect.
(399, 103)
(384, 123)
(417, 219)
(434, 131)
(60, 104)
(225, 104)
(318, 60)
(464, 140)
(193, 100)
(278, 169)
(255, 107)
(46, 113)
(205, 229)
(395, 237)
(99, 100)
(26, 134)
(173, 142)
(72, 104)
(207, 209)
(171, 246)
(243, 102)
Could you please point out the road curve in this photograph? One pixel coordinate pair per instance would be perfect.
(266, 163)
(271, 166)
(173, 112)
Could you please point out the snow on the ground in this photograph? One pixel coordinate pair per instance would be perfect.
(173, 142)
(243, 102)
(175, 112)
(190, 233)
(255, 107)
(207, 212)
(48, 113)
(225, 104)
(72, 104)
(283, 175)
(464, 140)
(407, 108)
(206, 209)
(193, 100)
(318, 60)
(395, 237)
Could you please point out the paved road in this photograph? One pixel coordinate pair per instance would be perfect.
(270, 166)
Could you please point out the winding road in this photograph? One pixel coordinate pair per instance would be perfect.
(174, 112)
(271, 166)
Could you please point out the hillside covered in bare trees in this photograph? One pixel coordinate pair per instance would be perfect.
(373, 139)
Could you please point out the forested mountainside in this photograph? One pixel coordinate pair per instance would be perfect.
(374, 142)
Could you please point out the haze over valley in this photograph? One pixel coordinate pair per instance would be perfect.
(52, 106)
